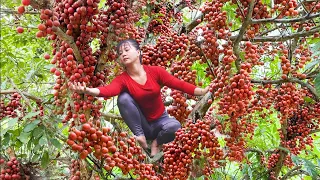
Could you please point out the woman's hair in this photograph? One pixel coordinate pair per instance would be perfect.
(133, 43)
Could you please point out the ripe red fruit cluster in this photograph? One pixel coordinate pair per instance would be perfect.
(193, 142)
(11, 169)
(9, 109)
(162, 24)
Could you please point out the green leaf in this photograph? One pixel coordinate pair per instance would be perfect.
(38, 132)
(12, 122)
(310, 168)
(6, 139)
(295, 160)
(35, 157)
(31, 114)
(317, 83)
(22, 156)
(309, 100)
(312, 64)
(24, 137)
(31, 126)
(56, 143)
(45, 159)
(18, 144)
(43, 140)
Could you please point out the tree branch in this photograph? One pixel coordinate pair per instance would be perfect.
(304, 84)
(111, 117)
(298, 172)
(314, 131)
(201, 107)
(274, 20)
(10, 11)
(193, 24)
(236, 43)
(11, 91)
(288, 175)
(68, 39)
(279, 38)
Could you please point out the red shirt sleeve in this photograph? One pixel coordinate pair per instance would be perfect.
(114, 88)
(165, 78)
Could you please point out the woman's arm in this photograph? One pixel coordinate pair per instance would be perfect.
(171, 81)
(113, 89)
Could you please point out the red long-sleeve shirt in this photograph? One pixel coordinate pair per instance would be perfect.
(147, 96)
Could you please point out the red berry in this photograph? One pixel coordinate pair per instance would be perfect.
(70, 51)
(25, 2)
(21, 9)
(42, 27)
(57, 73)
(46, 56)
(20, 29)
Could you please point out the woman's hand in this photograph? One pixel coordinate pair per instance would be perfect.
(200, 91)
(83, 89)
(77, 87)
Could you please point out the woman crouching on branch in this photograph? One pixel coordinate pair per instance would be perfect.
(139, 99)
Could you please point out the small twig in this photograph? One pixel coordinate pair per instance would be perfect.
(314, 131)
(241, 10)
(11, 91)
(290, 172)
(209, 65)
(95, 163)
(18, 90)
(236, 43)
(10, 11)
(298, 172)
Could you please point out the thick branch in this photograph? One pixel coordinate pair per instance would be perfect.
(274, 20)
(193, 24)
(304, 84)
(11, 91)
(111, 117)
(70, 41)
(245, 24)
(201, 107)
(278, 38)
(10, 11)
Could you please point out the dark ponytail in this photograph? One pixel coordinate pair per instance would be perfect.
(133, 43)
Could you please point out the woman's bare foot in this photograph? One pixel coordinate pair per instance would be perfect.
(142, 141)
(155, 148)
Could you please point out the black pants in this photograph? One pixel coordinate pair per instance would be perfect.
(162, 129)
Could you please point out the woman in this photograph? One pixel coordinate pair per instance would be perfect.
(139, 99)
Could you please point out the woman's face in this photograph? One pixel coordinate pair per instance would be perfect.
(128, 54)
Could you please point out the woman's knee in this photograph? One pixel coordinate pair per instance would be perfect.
(124, 99)
(173, 126)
